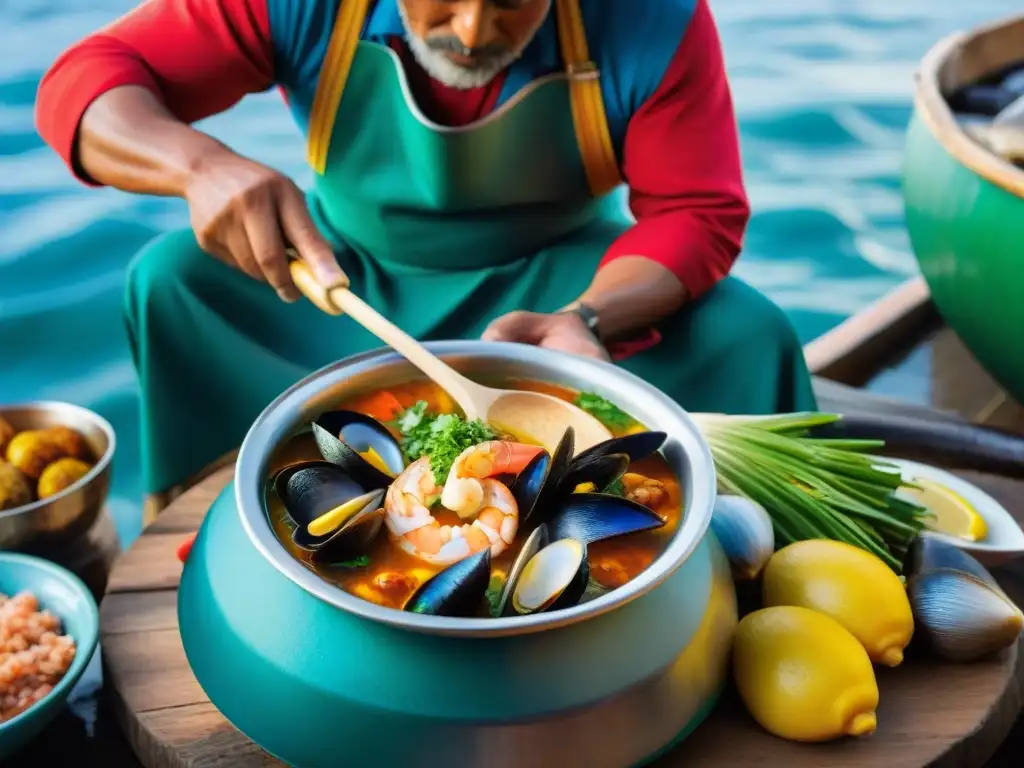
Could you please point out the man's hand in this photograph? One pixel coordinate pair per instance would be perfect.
(245, 214)
(564, 332)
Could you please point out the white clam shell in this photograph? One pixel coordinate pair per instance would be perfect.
(744, 529)
(963, 618)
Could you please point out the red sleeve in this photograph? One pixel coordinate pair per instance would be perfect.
(681, 161)
(199, 57)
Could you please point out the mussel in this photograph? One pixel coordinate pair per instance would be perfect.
(361, 446)
(599, 470)
(336, 518)
(537, 488)
(457, 590)
(554, 578)
(590, 517)
(744, 530)
(959, 606)
(533, 544)
(636, 446)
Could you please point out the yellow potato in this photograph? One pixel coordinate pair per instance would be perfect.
(6, 433)
(72, 443)
(14, 488)
(60, 475)
(31, 451)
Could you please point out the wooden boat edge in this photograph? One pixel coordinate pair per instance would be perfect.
(936, 115)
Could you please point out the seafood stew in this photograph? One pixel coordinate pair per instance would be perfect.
(398, 500)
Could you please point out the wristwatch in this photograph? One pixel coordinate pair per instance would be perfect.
(587, 314)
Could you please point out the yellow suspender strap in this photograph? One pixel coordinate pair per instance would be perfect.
(333, 76)
(592, 135)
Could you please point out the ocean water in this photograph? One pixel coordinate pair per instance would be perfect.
(823, 95)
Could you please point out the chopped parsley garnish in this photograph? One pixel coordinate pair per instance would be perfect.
(607, 413)
(493, 593)
(617, 488)
(360, 562)
(442, 437)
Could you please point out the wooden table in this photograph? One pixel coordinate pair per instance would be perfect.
(930, 713)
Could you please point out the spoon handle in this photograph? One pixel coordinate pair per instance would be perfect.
(338, 299)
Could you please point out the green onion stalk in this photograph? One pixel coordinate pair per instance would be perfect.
(814, 488)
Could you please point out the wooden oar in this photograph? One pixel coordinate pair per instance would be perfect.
(527, 415)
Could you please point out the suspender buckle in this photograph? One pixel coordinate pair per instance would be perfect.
(583, 70)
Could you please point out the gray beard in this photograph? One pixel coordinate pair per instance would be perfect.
(445, 71)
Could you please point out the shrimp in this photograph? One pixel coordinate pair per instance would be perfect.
(464, 490)
(417, 532)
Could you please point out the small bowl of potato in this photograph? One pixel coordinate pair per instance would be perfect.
(55, 464)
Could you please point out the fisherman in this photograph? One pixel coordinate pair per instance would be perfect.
(563, 173)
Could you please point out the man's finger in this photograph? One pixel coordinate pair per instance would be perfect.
(525, 327)
(268, 250)
(241, 253)
(299, 228)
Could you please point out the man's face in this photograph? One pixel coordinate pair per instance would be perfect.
(465, 43)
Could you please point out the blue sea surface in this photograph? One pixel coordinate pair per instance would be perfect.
(823, 93)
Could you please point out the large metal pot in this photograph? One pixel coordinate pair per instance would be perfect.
(319, 677)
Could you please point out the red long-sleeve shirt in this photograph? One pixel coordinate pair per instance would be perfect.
(680, 156)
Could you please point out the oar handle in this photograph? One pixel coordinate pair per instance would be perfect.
(338, 299)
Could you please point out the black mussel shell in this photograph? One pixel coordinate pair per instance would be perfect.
(542, 495)
(928, 554)
(353, 539)
(342, 435)
(637, 446)
(601, 470)
(530, 484)
(311, 489)
(457, 590)
(554, 578)
(533, 544)
(591, 517)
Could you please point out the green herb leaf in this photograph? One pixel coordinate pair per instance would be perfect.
(360, 562)
(617, 488)
(494, 589)
(604, 411)
(442, 437)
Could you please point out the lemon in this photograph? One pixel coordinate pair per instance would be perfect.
(802, 676)
(954, 515)
(848, 584)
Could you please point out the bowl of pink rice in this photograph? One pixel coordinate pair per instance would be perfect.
(49, 628)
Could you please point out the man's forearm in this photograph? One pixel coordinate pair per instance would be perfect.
(631, 294)
(129, 140)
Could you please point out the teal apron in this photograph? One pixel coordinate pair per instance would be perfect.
(441, 230)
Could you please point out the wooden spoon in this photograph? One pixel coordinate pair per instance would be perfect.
(530, 416)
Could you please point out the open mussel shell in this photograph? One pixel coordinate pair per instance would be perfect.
(536, 541)
(345, 438)
(744, 530)
(458, 590)
(957, 604)
(637, 446)
(538, 487)
(590, 517)
(343, 515)
(554, 578)
(601, 470)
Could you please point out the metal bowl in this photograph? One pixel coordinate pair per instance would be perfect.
(69, 514)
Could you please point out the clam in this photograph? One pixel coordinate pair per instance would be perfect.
(962, 611)
(537, 488)
(361, 446)
(457, 590)
(554, 578)
(336, 518)
(636, 446)
(744, 530)
(590, 517)
(536, 541)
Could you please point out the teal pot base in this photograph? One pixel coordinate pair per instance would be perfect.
(315, 685)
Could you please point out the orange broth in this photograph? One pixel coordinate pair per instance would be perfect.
(392, 575)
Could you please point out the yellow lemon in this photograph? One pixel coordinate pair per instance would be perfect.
(954, 515)
(802, 676)
(848, 584)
